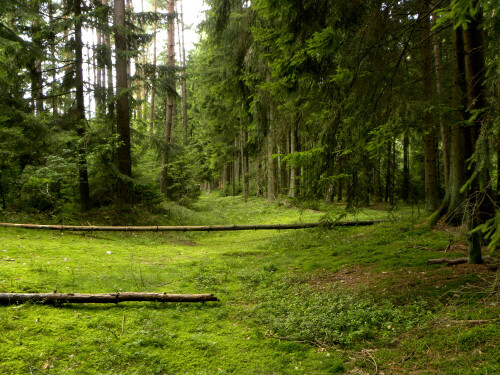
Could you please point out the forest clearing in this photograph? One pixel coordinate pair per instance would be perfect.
(359, 300)
(249, 187)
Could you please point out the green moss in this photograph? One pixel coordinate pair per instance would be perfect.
(271, 317)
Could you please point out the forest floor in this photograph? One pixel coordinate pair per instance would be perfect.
(356, 300)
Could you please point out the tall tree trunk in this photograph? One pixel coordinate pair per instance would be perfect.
(431, 185)
(182, 58)
(444, 129)
(36, 66)
(109, 71)
(458, 150)
(122, 105)
(153, 80)
(54, 65)
(80, 111)
(480, 206)
(406, 167)
(244, 162)
(271, 162)
(293, 169)
(284, 175)
(171, 98)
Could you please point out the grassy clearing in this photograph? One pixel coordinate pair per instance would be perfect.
(348, 300)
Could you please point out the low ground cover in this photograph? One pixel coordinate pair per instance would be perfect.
(347, 300)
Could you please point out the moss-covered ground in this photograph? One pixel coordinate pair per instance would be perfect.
(348, 300)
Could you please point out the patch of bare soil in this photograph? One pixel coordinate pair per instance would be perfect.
(399, 280)
(442, 226)
(183, 242)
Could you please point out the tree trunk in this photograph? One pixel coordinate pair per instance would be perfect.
(431, 185)
(271, 162)
(122, 105)
(171, 109)
(293, 170)
(195, 228)
(244, 163)
(455, 214)
(109, 71)
(444, 129)
(406, 167)
(80, 111)
(153, 80)
(182, 58)
(480, 206)
(50, 298)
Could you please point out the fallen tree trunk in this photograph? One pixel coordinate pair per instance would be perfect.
(50, 298)
(206, 228)
(450, 261)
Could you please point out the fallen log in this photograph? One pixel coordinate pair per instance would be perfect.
(451, 261)
(51, 298)
(206, 228)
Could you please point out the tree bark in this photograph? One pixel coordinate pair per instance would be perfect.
(271, 162)
(406, 167)
(479, 207)
(153, 80)
(51, 298)
(122, 105)
(80, 111)
(293, 170)
(109, 71)
(455, 214)
(171, 109)
(199, 228)
(431, 186)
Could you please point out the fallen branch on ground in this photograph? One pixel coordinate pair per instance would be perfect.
(452, 262)
(50, 298)
(206, 228)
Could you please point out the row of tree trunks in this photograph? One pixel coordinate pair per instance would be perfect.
(202, 228)
(52, 298)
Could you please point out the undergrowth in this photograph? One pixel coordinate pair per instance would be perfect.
(344, 300)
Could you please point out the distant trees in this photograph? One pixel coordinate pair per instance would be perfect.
(349, 97)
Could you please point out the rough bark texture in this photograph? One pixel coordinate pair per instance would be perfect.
(271, 162)
(431, 186)
(122, 105)
(83, 180)
(51, 298)
(479, 207)
(444, 129)
(293, 170)
(153, 80)
(171, 109)
(457, 179)
(201, 228)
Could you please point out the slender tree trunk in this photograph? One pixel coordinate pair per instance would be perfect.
(109, 72)
(182, 58)
(293, 169)
(54, 70)
(271, 162)
(406, 167)
(122, 105)
(80, 109)
(498, 135)
(153, 80)
(171, 109)
(244, 162)
(388, 173)
(455, 215)
(284, 179)
(444, 129)
(431, 185)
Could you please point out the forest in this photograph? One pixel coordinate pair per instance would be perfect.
(298, 117)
